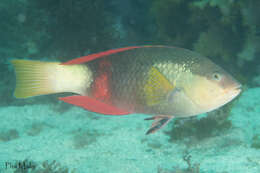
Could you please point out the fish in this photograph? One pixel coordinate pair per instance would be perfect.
(164, 82)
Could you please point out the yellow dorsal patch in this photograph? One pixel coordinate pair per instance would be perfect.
(156, 87)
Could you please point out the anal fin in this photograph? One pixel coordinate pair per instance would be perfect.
(94, 105)
(159, 122)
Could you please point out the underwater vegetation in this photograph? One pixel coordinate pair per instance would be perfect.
(9, 135)
(173, 28)
(197, 129)
(11, 23)
(132, 22)
(36, 128)
(256, 141)
(83, 138)
(74, 28)
(225, 31)
(191, 167)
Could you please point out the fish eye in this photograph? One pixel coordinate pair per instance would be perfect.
(216, 76)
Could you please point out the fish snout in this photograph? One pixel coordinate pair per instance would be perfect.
(233, 90)
(237, 87)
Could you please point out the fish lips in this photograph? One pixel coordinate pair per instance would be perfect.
(234, 91)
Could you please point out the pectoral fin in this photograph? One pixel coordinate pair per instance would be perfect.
(159, 122)
(156, 87)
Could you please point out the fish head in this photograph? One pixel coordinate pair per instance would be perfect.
(211, 88)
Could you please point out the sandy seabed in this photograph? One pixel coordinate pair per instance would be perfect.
(90, 143)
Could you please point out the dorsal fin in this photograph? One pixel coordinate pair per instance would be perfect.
(91, 57)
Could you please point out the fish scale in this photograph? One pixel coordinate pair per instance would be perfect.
(128, 81)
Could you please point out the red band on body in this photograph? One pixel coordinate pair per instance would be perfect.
(101, 86)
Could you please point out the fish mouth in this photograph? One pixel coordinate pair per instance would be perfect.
(238, 88)
(235, 91)
(231, 92)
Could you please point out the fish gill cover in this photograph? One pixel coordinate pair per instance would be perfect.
(226, 31)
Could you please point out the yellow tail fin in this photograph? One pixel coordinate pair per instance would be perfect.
(38, 78)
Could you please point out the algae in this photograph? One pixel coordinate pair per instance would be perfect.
(191, 167)
(9, 135)
(256, 141)
(215, 123)
(82, 139)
